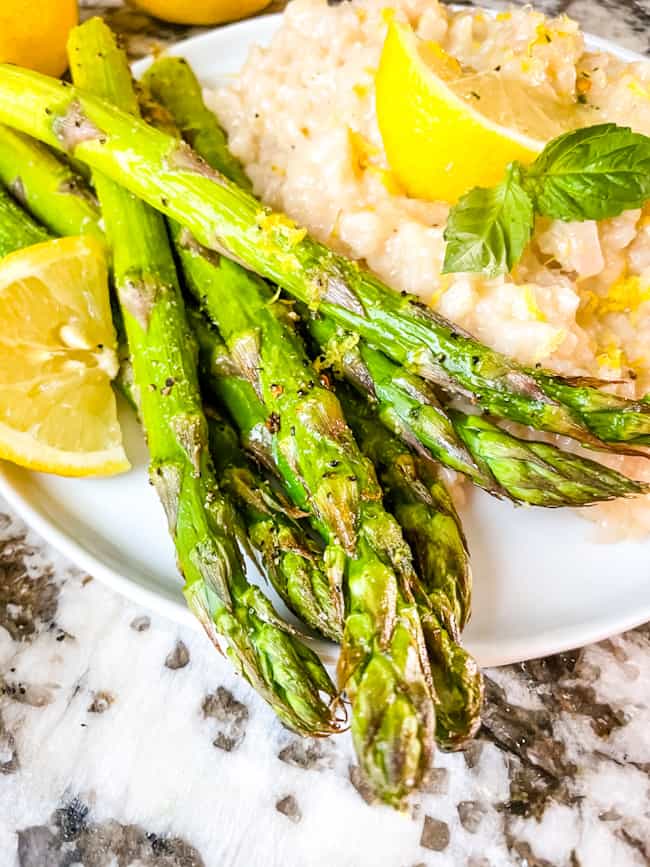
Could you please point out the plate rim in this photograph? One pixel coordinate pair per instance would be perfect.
(515, 650)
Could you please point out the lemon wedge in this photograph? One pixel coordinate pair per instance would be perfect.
(34, 34)
(58, 356)
(201, 11)
(446, 130)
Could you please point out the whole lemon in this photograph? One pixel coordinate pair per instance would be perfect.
(201, 11)
(34, 34)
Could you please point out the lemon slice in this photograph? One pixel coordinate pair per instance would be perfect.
(445, 131)
(57, 358)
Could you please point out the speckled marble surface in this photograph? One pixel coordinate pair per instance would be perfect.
(125, 740)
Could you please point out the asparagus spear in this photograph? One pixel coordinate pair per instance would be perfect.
(457, 675)
(264, 649)
(225, 382)
(424, 509)
(291, 562)
(382, 664)
(290, 559)
(539, 474)
(405, 404)
(229, 220)
(434, 531)
(17, 229)
(291, 556)
(48, 188)
(172, 84)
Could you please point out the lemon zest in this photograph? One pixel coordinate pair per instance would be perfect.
(531, 303)
(542, 37)
(444, 284)
(625, 295)
(556, 341)
(612, 356)
(285, 231)
(635, 86)
(362, 151)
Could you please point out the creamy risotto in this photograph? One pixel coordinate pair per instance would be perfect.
(300, 116)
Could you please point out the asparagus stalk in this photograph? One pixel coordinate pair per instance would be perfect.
(290, 555)
(424, 509)
(264, 649)
(290, 558)
(405, 404)
(535, 473)
(382, 665)
(227, 219)
(172, 84)
(17, 229)
(307, 581)
(457, 674)
(539, 473)
(47, 187)
(456, 677)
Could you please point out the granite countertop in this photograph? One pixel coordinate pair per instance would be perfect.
(125, 740)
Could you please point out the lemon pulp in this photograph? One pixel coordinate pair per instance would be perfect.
(58, 356)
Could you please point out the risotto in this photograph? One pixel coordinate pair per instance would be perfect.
(301, 117)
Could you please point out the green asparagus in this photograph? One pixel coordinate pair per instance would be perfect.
(382, 665)
(539, 474)
(424, 509)
(229, 220)
(406, 405)
(17, 229)
(291, 556)
(49, 189)
(172, 84)
(457, 675)
(297, 579)
(264, 649)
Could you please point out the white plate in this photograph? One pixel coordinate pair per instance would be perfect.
(542, 581)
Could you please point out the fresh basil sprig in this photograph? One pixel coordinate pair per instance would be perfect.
(490, 226)
(587, 174)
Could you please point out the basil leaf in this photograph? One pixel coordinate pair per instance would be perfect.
(590, 173)
(489, 228)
